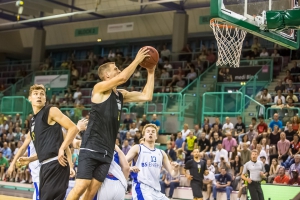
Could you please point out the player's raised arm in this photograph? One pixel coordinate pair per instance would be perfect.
(55, 115)
(19, 154)
(172, 169)
(132, 153)
(112, 77)
(123, 162)
(147, 93)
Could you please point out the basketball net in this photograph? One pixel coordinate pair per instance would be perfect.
(230, 42)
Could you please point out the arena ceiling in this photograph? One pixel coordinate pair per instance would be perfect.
(40, 13)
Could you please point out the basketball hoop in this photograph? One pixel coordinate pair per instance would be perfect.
(230, 42)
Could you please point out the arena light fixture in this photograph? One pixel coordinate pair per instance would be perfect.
(85, 12)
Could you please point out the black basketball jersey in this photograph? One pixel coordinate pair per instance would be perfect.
(103, 126)
(46, 138)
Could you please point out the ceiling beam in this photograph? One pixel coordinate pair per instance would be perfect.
(14, 18)
(170, 5)
(74, 8)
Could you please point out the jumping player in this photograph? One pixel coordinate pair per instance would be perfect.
(50, 145)
(147, 163)
(98, 141)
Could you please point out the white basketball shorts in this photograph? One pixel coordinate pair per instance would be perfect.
(141, 191)
(111, 190)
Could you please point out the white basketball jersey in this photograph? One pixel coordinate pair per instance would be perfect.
(149, 163)
(116, 171)
(35, 165)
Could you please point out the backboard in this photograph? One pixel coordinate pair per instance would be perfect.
(250, 15)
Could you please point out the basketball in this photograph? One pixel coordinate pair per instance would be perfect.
(151, 61)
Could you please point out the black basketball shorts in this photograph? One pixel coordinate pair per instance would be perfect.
(92, 165)
(197, 188)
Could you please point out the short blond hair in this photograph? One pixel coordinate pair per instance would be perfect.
(149, 125)
(37, 87)
(103, 68)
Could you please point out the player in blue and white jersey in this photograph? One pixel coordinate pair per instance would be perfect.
(147, 162)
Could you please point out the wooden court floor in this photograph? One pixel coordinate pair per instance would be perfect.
(3, 197)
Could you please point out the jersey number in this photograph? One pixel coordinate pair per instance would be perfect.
(153, 159)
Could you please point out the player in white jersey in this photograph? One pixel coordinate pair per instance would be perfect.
(34, 168)
(147, 163)
(115, 184)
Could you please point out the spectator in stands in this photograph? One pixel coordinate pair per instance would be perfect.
(164, 77)
(281, 178)
(211, 57)
(252, 134)
(275, 53)
(179, 141)
(294, 149)
(225, 74)
(127, 122)
(290, 86)
(246, 45)
(280, 87)
(245, 140)
(217, 122)
(74, 75)
(167, 65)
(295, 69)
(137, 137)
(279, 96)
(295, 180)
(156, 122)
(209, 181)
(17, 134)
(283, 147)
(223, 184)
(262, 126)
(10, 135)
(169, 182)
(203, 144)
(190, 141)
(165, 53)
(6, 151)
(209, 166)
(170, 152)
(18, 119)
(4, 164)
(288, 77)
(133, 129)
(264, 97)
(292, 96)
(263, 159)
(275, 121)
(237, 168)
(239, 127)
(125, 147)
(229, 141)
(197, 130)
(77, 93)
(295, 123)
(185, 131)
(206, 129)
(228, 125)
(245, 154)
(256, 45)
(295, 166)
(192, 74)
(216, 129)
(274, 138)
(260, 151)
(186, 53)
(144, 122)
(220, 153)
(274, 169)
(111, 55)
(290, 132)
(264, 53)
(254, 53)
(214, 141)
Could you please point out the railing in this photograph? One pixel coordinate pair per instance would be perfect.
(285, 112)
(16, 104)
(222, 104)
(260, 109)
(23, 82)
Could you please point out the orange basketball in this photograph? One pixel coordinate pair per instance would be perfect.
(151, 61)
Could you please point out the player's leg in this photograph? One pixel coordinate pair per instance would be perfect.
(1, 172)
(143, 192)
(86, 167)
(36, 193)
(99, 176)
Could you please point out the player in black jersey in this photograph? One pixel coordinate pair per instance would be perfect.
(98, 141)
(46, 134)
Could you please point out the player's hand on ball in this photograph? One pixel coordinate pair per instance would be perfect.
(23, 161)
(141, 55)
(62, 159)
(134, 169)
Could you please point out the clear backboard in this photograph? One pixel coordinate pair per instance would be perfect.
(250, 15)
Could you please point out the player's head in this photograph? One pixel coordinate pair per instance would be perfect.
(108, 71)
(254, 155)
(196, 153)
(150, 132)
(37, 95)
